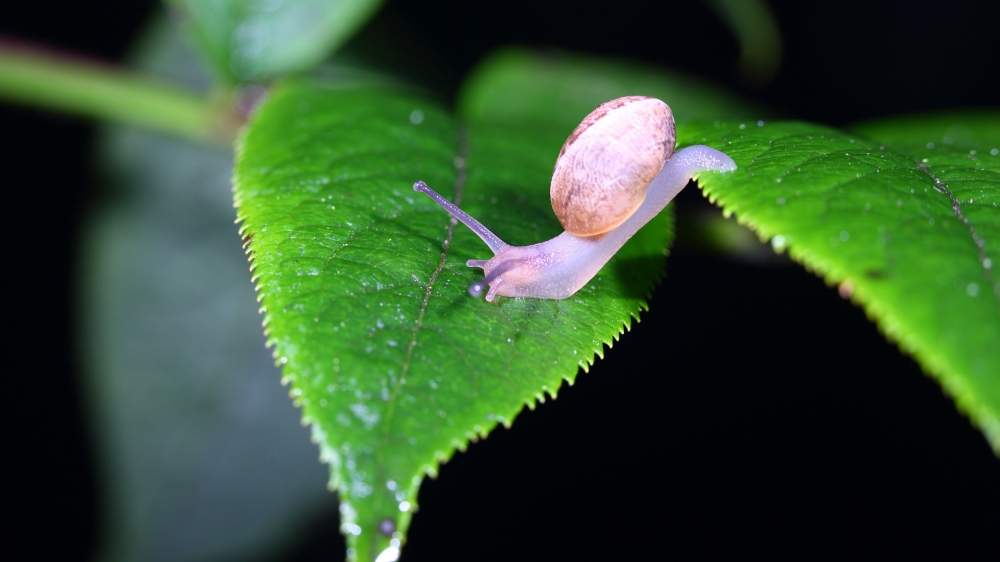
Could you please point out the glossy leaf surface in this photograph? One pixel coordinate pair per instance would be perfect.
(363, 285)
(363, 281)
(907, 224)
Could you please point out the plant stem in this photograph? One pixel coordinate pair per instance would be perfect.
(757, 31)
(72, 85)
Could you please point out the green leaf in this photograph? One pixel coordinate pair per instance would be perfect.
(907, 225)
(364, 285)
(950, 132)
(363, 281)
(252, 40)
(559, 87)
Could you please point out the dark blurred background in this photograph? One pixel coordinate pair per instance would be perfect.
(751, 412)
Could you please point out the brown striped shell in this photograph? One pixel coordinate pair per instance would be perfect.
(606, 164)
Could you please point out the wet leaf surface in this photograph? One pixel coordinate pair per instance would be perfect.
(907, 225)
(364, 285)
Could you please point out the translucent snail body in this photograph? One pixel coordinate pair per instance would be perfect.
(616, 171)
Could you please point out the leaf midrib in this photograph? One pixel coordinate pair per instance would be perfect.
(977, 241)
(460, 159)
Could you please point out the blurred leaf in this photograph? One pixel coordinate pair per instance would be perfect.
(200, 455)
(252, 40)
(910, 230)
(560, 87)
(953, 132)
(754, 26)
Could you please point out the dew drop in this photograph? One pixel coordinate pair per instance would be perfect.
(845, 289)
(390, 554)
(476, 289)
(416, 117)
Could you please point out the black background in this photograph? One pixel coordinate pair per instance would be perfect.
(751, 412)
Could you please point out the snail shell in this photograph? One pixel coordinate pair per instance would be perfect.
(606, 164)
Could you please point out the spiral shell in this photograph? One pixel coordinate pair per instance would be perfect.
(606, 164)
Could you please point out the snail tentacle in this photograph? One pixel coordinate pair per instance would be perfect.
(492, 240)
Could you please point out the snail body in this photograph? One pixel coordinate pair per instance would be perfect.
(616, 171)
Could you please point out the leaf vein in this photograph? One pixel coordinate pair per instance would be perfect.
(418, 324)
(956, 207)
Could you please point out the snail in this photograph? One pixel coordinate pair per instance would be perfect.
(616, 171)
